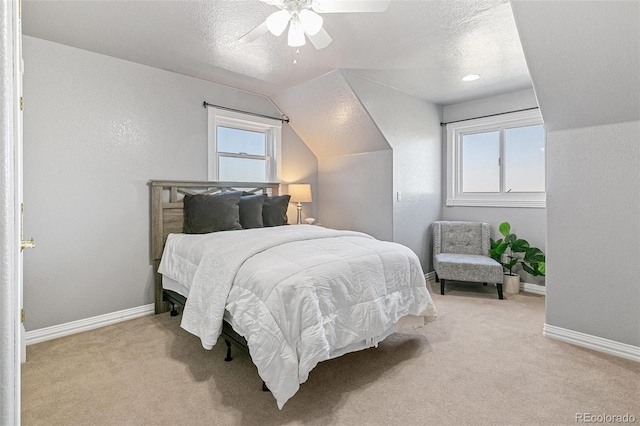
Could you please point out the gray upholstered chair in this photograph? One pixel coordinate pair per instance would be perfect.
(461, 253)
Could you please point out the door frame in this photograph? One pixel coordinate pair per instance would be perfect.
(10, 306)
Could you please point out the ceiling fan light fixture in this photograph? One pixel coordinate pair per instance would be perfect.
(311, 21)
(296, 33)
(277, 22)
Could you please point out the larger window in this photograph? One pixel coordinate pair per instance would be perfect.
(497, 161)
(243, 148)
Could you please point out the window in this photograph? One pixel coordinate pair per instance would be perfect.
(243, 148)
(497, 161)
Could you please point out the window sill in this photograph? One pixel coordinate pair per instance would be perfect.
(535, 204)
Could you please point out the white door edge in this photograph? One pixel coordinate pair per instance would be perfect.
(10, 340)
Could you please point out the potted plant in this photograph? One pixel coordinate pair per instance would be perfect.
(516, 251)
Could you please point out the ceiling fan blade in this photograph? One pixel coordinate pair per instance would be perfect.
(254, 33)
(350, 6)
(321, 39)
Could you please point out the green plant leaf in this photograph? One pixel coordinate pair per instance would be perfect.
(504, 228)
(542, 268)
(520, 246)
(534, 254)
(529, 270)
(501, 248)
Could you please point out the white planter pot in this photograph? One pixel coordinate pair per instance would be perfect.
(512, 283)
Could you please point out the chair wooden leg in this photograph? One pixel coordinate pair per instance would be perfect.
(437, 278)
(499, 291)
(441, 286)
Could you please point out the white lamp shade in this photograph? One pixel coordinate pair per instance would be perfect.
(300, 192)
(277, 22)
(311, 21)
(296, 33)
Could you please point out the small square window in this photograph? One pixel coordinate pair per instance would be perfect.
(497, 161)
(243, 148)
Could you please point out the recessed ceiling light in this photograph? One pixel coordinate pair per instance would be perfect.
(470, 77)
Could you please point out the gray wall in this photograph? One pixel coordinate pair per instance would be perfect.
(584, 59)
(594, 231)
(411, 126)
(372, 142)
(355, 193)
(96, 129)
(527, 223)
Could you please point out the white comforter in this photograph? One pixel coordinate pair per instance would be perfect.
(298, 294)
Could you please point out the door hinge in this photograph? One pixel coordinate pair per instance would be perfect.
(22, 316)
(21, 103)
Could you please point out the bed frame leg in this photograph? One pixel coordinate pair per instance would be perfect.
(174, 311)
(228, 343)
(264, 387)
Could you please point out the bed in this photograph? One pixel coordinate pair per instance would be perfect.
(293, 295)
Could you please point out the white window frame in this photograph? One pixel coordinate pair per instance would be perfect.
(272, 129)
(455, 131)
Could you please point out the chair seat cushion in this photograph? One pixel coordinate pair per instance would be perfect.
(467, 267)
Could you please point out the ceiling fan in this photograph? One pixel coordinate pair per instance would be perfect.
(303, 17)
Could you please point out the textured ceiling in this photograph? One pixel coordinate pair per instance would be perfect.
(422, 48)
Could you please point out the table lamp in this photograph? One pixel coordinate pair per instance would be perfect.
(300, 193)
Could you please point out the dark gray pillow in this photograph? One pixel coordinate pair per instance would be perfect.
(251, 210)
(211, 213)
(274, 210)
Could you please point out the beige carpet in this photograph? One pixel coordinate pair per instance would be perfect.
(484, 361)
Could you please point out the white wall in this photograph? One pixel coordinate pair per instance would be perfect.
(412, 127)
(527, 223)
(96, 130)
(356, 193)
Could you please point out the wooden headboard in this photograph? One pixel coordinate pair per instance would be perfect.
(167, 214)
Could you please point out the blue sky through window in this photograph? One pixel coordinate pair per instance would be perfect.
(524, 159)
(237, 141)
(480, 168)
(523, 162)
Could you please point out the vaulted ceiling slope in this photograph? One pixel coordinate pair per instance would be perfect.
(421, 48)
(330, 118)
(584, 59)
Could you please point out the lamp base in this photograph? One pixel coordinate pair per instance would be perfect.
(299, 213)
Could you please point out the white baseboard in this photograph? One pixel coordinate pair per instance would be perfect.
(534, 288)
(599, 344)
(61, 330)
